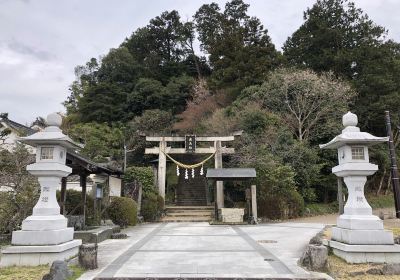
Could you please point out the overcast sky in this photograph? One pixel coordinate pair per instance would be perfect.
(41, 41)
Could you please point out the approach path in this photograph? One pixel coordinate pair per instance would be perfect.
(199, 250)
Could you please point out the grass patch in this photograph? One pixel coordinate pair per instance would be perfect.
(77, 270)
(380, 201)
(340, 270)
(376, 202)
(33, 272)
(315, 209)
(396, 231)
(23, 272)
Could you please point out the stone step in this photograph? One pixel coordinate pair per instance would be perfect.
(191, 195)
(188, 199)
(191, 213)
(191, 203)
(208, 207)
(167, 219)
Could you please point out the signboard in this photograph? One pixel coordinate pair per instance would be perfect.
(190, 143)
(115, 186)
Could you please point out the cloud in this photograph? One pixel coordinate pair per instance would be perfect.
(24, 49)
(42, 41)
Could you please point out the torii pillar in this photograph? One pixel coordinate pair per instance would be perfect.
(220, 184)
(162, 168)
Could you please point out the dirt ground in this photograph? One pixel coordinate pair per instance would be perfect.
(388, 213)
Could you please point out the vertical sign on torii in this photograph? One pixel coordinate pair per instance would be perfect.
(190, 148)
(190, 143)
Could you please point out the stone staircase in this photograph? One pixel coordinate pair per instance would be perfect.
(188, 214)
(191, 191)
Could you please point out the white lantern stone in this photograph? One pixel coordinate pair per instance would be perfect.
(44, 236)
(359, 236)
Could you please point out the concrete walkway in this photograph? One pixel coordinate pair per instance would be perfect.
(200, 250)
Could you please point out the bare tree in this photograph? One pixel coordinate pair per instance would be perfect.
(305, 100)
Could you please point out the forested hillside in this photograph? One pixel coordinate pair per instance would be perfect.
(286, 102)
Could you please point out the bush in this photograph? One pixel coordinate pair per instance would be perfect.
(281, 207)
(144, 175)
(160, 203)
(123, 211)
(74, 198)
(21, 188)
(149, 208)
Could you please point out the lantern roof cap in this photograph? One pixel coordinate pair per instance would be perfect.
(351, 134)
(51, 135)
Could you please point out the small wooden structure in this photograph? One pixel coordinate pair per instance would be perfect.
(83, 167)
(236, 174)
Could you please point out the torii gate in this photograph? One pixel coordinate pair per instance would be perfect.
(217, 148)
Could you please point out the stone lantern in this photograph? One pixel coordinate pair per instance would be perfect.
(44, 236)
(359, 236)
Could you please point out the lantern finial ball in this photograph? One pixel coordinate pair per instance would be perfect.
(54, 119)
(350, 119)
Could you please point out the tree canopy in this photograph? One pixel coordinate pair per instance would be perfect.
(240, 51)
(285, 102)
(336, 36)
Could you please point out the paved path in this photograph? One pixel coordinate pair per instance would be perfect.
(201, 250)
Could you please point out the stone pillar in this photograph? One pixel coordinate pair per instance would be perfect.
(254, 202)
(220, 184)
(162, 168)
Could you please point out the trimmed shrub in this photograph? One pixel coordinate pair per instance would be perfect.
(149, 209)
(123, 211)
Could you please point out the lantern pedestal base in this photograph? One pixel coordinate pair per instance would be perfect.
(359, 222)
(366, 253)
(365, 237)
(40, 237)
(44, 223)
(38, 255)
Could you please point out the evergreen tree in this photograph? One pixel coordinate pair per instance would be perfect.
(338, 37)
(240, 50)
(152, 69)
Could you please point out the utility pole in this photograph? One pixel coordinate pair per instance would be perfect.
(124, 157)
(126, 151)
(394, 171)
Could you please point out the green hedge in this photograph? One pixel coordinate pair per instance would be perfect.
(144, 175)
(123, 211)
